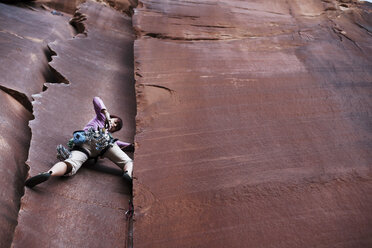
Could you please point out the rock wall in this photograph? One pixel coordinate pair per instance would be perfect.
(24, 35)
(14, 142)
(86, 210)
(69, 6)
(254, 124)
(59, 63)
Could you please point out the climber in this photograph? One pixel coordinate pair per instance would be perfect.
(94, 141)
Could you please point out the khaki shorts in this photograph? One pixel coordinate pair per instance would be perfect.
(76, 160)
(114, 153)
(120, 158)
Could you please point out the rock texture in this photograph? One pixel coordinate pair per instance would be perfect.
(24, 35)
(254, 124)
(14, 142)
(69, 6)
(87, 210)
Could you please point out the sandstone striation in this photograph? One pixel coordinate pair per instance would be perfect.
(254, 126)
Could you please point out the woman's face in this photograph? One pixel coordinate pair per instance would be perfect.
(114, 125)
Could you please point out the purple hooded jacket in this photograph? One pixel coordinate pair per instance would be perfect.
(99, 120)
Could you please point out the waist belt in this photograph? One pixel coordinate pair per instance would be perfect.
(86, 152)
(81, 149)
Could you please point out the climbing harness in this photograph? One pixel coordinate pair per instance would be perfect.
(62, 152)
(100, 139)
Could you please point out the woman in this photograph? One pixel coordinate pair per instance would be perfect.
(93, 141)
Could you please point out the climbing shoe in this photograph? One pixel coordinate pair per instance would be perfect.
(33, 181)
(128, 180)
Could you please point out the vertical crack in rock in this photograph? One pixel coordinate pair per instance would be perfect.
(15, 137)
(51, 76)
(54, 75)
(255, 120)
(24, 56)
(85, 73)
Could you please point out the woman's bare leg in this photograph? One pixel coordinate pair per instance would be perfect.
(60, 169)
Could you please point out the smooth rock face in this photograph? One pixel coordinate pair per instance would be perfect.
(14, 142)
(254, 126)
(24, 36)
(88, 209)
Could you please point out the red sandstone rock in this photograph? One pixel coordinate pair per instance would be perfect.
(24, 35)
(87, 210)
(253, 129)
(66, 6)
(69, 6)
(23, 47)
(14, 141)
(254, 124)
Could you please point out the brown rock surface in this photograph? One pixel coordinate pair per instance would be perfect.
(66, 6)
(24, 35)
(87, 210)
(14, 142)
(254, 124)
(69, 6)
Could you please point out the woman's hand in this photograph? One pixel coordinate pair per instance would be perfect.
(111, 123)
(108, 121)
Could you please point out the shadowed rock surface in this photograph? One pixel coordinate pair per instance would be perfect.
(254, 124)
(87, 210)
(14, 142)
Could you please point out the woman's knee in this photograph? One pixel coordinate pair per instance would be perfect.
(69, 167)
(124, 162)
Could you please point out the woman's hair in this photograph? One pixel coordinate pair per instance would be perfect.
(120, 122)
